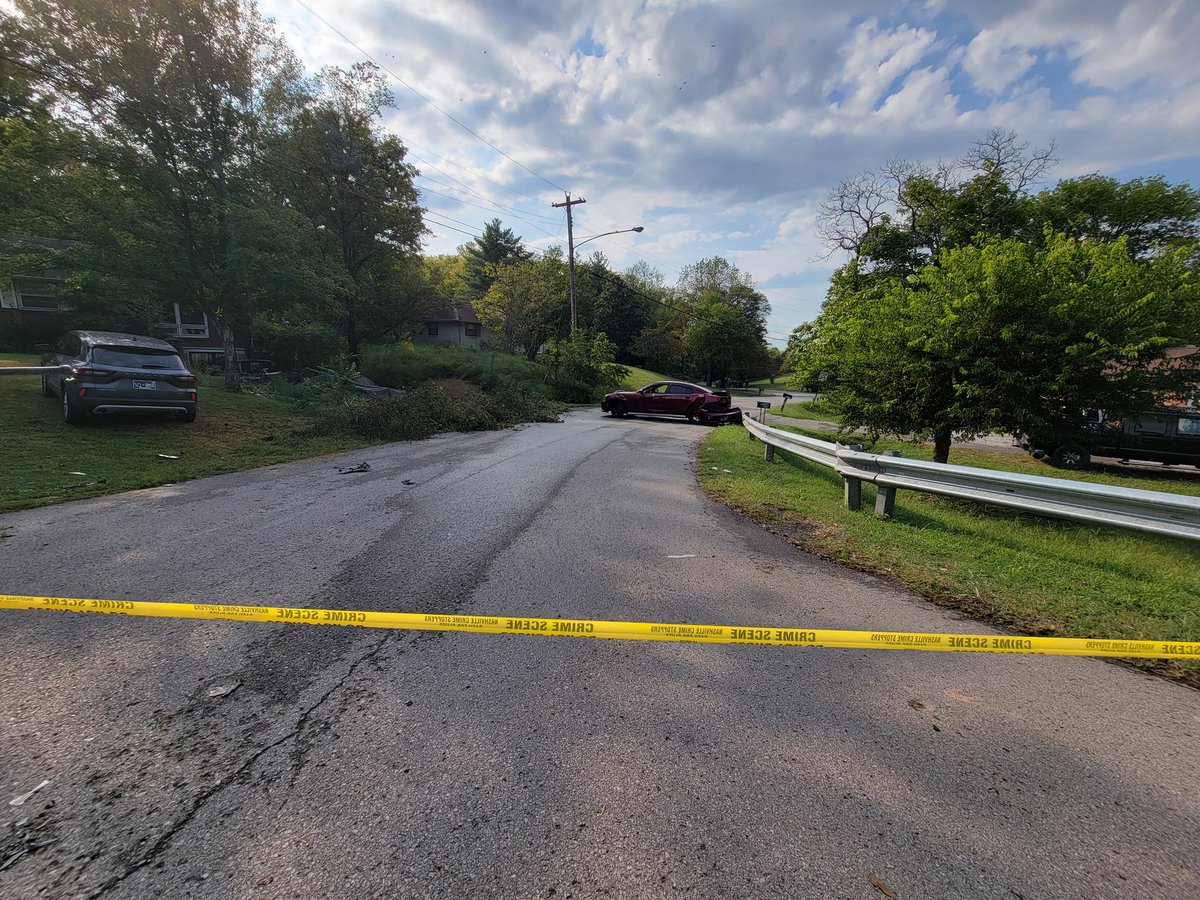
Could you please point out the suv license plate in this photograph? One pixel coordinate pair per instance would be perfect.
(145, 385)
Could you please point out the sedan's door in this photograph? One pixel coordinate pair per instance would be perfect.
(654, 398)
(678, 398)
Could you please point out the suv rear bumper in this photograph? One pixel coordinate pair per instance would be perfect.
(101, 409)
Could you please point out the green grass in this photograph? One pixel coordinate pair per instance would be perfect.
(1036, 576)
(816, 410)
(233, 432)
(639, 378)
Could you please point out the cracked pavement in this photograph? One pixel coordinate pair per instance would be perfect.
(352, 762)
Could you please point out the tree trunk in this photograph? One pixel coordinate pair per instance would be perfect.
(941, 443)
(233, 366)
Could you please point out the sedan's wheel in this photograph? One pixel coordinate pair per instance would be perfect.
(1071, 456)
(693, 412)
(617, 410)
(71, 413)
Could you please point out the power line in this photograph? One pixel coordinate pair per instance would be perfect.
(457, 122)
(469, 170)
(426, 190)
(498, 207)
(470, 190)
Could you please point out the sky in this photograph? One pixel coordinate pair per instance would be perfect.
(720, 127)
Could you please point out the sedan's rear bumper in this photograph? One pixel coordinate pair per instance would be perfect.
(721, 417)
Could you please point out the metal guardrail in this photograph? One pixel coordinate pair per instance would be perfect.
(1155, 512)
(35, 370)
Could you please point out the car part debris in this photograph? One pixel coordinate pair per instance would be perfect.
(20, 799)
(350, 470)
(167, 456)
(223, 688)
(82, 484)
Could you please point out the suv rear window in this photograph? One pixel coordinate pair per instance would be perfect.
(136, 358)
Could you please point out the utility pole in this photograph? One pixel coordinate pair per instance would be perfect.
(570, 249)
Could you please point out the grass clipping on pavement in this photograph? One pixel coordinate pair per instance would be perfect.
(1033, 575)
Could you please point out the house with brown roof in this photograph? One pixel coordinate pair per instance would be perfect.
(457, 325)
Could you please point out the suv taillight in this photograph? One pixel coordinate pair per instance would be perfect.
(186, 379)
(91, 372)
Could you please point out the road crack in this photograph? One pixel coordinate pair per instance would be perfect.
(204, 797)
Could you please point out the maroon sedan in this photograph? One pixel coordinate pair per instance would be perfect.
(674, 398)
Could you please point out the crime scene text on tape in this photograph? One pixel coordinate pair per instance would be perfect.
(629, 631)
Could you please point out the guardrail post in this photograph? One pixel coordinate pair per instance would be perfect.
(853, 485)
(885, 497)
(768, 453)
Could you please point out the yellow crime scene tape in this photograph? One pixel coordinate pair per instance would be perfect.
(628, 631)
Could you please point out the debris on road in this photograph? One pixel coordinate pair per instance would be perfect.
(350, 470)
(916, 704)
(407, 481)
(882, 886)
(223, 688)
(20, 799)
(683, 556)
(83, 484)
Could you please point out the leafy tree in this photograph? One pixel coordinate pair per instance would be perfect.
(721, 337)
(446, 276)
(1002, 336)
(335, 167)
(621, 312)
(497, 246)
(1150, 214)
(581, 367)
(526, 301)
(167, 100)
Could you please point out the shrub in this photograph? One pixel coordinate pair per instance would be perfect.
(433, 408)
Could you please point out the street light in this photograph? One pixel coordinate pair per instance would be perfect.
(571, 256)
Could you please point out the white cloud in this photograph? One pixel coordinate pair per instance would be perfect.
(719, 126)
(993, 63)
(874, 59)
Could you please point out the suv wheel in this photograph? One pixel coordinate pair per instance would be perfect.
(1071, 456)
(72, 415)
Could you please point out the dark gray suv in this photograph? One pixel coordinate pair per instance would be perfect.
(119, 373)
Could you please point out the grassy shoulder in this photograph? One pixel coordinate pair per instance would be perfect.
(49, 461)
(1036, 576)
(639, 378)
(446, 389)
(816, 410)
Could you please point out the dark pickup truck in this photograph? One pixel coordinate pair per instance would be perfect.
(1162, 435)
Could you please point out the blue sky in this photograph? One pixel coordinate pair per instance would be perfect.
(720, 127)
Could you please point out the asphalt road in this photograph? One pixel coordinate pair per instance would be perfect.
(355, 763)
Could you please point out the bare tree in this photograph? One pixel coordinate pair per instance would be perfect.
(852, 209)
(1002, 151)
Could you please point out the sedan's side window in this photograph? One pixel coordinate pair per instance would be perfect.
(678, 389)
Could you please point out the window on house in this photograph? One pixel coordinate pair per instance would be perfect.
(472, 329)
(431, 329)
(41, 302)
